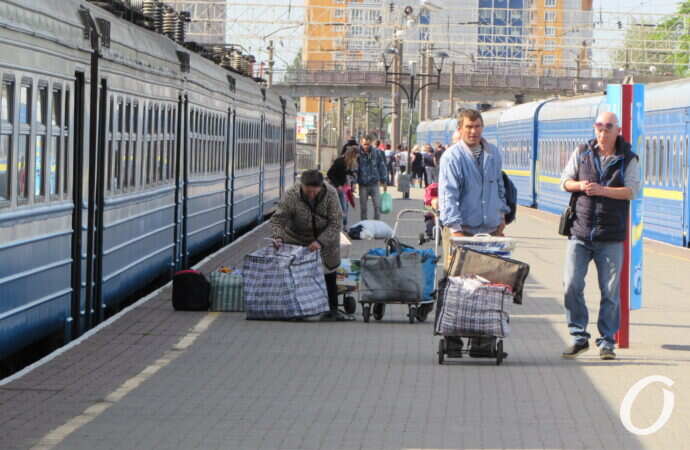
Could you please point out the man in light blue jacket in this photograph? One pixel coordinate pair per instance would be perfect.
(471, 191)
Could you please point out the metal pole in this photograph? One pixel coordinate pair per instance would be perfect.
(451, 89)
(366, 118)
(270, 64)
(319, 126)
(341, 118)
(353, 132)
(410, 108)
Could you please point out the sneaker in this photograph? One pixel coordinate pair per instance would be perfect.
(607, 354)
(482, 347)
(574, 350)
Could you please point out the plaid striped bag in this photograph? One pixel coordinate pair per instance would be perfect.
(227, 292)
(285, 283)
(471, 306)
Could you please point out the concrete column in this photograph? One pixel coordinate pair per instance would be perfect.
(367, 129)
(451, 90)
(429, 60)
(319, 127)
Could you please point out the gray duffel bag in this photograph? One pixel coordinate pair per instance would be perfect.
(391, 275)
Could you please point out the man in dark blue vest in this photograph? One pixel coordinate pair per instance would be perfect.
(604, 176)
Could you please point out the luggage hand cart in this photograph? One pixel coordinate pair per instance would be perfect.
(418, 308)
(492, 346)
(348, 283)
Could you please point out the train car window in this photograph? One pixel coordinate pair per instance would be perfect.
(647, 164)
(55, 156)
(669, 162)
(6, 109)
(40, 143)
(685, 160)
(24, 146)
(25, 104)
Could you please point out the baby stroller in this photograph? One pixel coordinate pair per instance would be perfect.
(430, 222)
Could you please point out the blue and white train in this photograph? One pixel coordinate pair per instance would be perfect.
(537, 139)
(123, 155)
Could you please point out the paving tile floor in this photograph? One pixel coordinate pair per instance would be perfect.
(311, 385)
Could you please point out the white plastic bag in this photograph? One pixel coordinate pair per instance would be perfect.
(374, 229)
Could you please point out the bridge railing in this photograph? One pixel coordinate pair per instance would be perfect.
(473, 79)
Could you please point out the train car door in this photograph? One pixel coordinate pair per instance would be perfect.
(282, 148)
(77, 308)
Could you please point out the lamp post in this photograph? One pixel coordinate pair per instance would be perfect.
(412, 91)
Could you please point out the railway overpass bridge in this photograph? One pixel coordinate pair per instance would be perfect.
(479, 87)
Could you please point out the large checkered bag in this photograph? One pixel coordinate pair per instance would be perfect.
(284, 283)
(472, 306)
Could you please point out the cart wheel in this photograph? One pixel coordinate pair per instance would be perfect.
(423, 313)
(499, 353)
(366, 312)
(379, 311)
(441, 351)
(412, 312)
(350, 305)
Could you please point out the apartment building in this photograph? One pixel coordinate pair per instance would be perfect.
(561, 34)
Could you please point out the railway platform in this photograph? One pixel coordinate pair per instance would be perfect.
(153, 378)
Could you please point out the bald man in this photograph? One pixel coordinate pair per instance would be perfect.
(603, 176)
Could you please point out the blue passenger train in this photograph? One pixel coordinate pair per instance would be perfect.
(536, 140)
(123, 155)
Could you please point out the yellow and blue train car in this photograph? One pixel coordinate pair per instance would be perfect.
(537, 139)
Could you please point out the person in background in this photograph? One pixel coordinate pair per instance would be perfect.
(404, 183)
(429, 166)
(401, 158)
(371, 173)
(339, 175)
(351, 142)
(418, 165)
(309, 215)
(390, 164)
(603, 175)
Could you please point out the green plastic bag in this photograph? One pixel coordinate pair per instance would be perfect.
(386, 203)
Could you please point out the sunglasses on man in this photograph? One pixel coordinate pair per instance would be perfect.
(600, 126)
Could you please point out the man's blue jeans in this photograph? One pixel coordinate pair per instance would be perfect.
(608, 259)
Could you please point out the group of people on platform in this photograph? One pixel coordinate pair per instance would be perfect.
(602, 175)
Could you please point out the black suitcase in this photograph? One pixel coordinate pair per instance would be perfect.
(190, 291)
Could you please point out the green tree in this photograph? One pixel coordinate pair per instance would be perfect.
(295, 66)
(662, 47)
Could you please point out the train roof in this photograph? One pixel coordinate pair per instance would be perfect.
(437, 125)
(521, 112)
(493, 116)
(667, 95)
(585, 107)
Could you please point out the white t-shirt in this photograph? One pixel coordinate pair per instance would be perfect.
(402, 158)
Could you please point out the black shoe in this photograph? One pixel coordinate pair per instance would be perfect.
(574, 350)
(607, 354)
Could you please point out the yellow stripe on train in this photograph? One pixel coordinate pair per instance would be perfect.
(516, 172)
(552, 180)
(663, 194)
